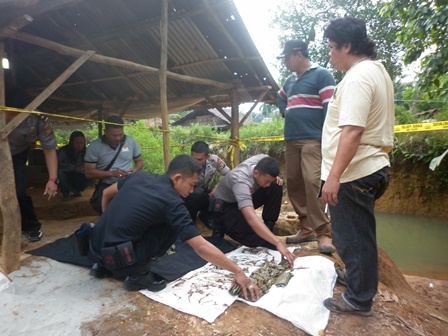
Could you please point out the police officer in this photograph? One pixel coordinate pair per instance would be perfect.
(210, 163)
(35, 127)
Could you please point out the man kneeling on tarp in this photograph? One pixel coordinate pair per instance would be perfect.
(143, 215)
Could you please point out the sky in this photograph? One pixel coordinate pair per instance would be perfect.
(255, 14)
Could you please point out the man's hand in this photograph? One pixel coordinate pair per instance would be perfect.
(279, 180)
(51, 189)
(330, 191)
(248, 286)
(286, 253)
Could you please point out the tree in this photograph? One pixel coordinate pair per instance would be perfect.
(422, 28)
(305, 19)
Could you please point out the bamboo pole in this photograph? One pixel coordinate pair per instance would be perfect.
(10, 213)
(162, 81)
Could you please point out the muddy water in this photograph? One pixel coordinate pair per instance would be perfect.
(417, 244)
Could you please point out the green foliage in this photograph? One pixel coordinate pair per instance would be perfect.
(422, 28)
(305, 20)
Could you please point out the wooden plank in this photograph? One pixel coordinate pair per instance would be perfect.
(47, 92)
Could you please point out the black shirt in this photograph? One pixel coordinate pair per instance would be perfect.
(143, 202)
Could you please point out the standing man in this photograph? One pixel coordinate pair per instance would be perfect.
(303, 102)
(252, 184)
(114, 146)
(145, 215)
(358, 134)
(198, 200)
(35, 127)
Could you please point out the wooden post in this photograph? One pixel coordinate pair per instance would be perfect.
(235, 128)
(8, 200)
(162, 81)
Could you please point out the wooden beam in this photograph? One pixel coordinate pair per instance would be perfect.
(47, 92)
(64, 50)
(9, 206)
(260, 97)
(162, 81)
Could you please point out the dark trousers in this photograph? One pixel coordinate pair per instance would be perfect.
(29, 218)
(154, 243)
(72, 181)
(354, 235)
(197, 201)
(233, 223)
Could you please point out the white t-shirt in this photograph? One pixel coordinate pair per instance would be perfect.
(365, 98)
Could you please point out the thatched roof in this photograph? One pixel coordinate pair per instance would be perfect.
(210, 56)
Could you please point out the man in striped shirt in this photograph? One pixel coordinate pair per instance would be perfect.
(303, 101)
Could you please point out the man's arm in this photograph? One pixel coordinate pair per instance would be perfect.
(108, 194)
(51, 160)
(262, 230)
(348, 145)
(138, 164)
(213, 255)
(91, 171)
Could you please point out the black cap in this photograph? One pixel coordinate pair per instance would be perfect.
(115, 120)
(293, 46)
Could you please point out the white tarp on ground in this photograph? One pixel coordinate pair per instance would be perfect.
(204, 292)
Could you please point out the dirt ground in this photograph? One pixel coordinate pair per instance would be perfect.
(404, 305)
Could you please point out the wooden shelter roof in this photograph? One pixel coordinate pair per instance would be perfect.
(211, 56)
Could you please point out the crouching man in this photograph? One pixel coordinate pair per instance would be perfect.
(143, 215)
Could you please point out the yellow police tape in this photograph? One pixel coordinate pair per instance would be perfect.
(422, 127)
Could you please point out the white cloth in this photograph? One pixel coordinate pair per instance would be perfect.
(204, 292)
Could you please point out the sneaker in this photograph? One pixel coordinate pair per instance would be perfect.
(145, 281)
(65, 197)
(77, 194)
(340, 306)
(34, 236)
(100, 272)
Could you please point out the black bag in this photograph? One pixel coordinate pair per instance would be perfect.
(118, 256)
(97, 196)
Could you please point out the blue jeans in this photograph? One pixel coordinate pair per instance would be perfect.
(354, 235)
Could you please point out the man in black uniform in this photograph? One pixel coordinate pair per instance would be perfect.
(145, 216)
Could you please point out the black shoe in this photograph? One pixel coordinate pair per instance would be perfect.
(145, 281)
(34, 236)
(100, 272)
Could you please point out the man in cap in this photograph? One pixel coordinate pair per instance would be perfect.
(303, 102)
